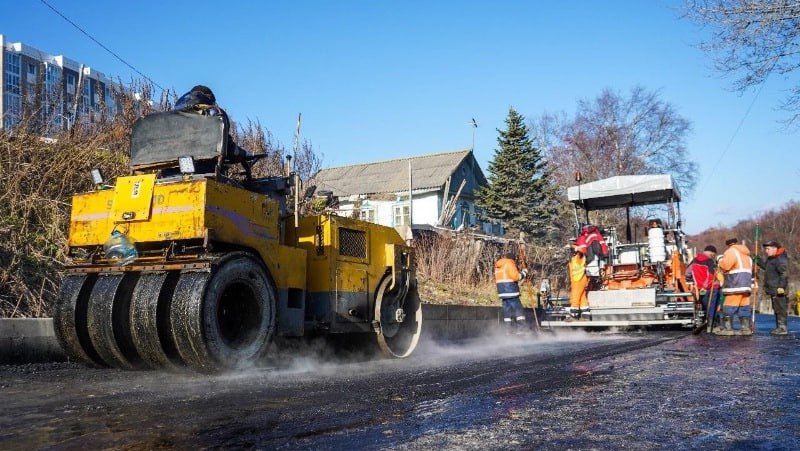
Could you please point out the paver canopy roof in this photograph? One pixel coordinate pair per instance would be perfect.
(625, 191)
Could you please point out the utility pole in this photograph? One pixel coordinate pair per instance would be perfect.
(474, 126)
(78, 97)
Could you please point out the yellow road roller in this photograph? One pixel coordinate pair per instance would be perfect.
(189, 261)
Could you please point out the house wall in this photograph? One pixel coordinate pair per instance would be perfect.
(425, 208)
(428, 201)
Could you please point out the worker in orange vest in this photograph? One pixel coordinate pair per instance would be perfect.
(507, 278)
(737, 267)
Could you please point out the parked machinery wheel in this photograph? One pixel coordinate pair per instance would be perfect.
(224, 318)
(108, 322)
(149, 318)
(69, 319)
(399, 313)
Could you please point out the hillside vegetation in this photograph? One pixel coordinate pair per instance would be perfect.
(781, 224)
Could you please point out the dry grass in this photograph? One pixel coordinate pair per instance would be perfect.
(36, 182)
(459, 269)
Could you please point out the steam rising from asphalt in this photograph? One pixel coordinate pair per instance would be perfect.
(317, 359)
(499, 343)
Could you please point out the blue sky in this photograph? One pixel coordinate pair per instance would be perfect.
(380, 80)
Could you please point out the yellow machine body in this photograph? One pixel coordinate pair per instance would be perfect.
(200, 209)
(347, 261)
(183, 264)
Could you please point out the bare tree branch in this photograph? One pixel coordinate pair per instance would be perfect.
(619, 135)
(752, 39)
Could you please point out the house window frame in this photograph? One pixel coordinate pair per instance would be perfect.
(401, 211)
(367, 214)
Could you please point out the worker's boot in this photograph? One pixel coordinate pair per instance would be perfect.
(725, 327)
(584, 315)
(781, 329)
(568, 315)
(521, 326)
(746, 327)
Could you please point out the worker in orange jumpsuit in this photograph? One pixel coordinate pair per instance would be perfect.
(579, 281)
(737, 268)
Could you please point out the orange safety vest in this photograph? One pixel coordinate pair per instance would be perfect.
(506, 276)
(738, 268)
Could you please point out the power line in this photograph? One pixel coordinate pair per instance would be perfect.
(741, 122)
(101, 45)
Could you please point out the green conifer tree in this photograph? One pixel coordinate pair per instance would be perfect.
(519, 195)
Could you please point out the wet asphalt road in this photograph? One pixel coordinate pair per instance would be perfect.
(571, 390)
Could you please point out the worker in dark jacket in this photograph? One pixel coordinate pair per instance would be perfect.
(776, 278)
(201, 100)
(507, 277)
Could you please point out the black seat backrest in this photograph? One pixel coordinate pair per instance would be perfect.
(159, 139)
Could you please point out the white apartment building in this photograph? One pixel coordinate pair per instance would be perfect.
(34, 84)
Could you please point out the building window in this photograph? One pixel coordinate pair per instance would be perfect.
(86, 98)
(367, 214)
(12, 63)
(13, 88)
(12, 83)
(31, 70)
(70, 86)
(52, 92)
(13, 106)
(402, 215)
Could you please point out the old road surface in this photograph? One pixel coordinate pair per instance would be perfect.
(571, 390)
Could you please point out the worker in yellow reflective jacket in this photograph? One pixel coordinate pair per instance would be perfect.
(579, 281)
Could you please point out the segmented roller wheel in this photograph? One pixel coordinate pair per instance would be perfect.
(149, 318)
(399, 313)
(69, 319)
(224, 318)
(108, 320)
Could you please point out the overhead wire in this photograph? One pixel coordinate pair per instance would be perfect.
(741, 122)
(101, 44)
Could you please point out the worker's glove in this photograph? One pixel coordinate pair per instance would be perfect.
(702, 292)
(523, 274)
(781, 292)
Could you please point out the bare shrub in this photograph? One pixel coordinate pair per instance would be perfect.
(37, 181)
(458, 268)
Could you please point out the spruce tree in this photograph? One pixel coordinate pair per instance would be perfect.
(519, 195)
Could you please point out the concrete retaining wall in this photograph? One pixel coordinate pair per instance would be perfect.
(458, 322)
(27, 340)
